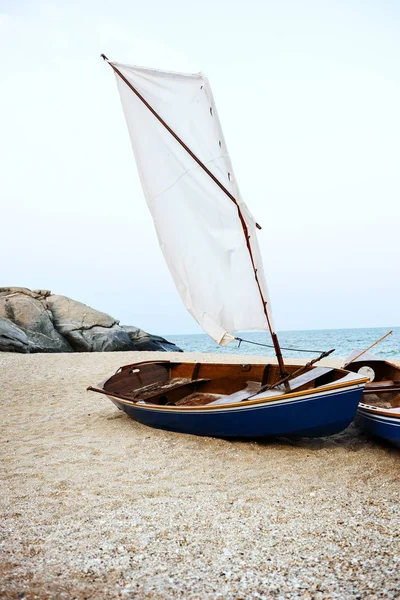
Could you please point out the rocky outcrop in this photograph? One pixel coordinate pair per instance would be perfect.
(86, 329)
(39, 321)
(29, 312)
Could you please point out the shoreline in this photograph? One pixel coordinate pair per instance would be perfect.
(96, 505)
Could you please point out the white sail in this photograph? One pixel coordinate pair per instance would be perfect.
(198, 226)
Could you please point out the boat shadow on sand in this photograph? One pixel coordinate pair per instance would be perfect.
(353, 439)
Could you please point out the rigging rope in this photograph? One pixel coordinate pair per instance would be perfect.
(240, 340)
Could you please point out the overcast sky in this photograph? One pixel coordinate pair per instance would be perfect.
(308, 93)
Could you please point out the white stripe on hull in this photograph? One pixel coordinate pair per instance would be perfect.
(366, 414)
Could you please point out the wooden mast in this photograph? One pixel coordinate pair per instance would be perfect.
(274, 336)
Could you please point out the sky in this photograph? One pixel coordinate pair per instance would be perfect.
(308, 94)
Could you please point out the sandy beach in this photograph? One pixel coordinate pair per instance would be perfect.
(95, 505)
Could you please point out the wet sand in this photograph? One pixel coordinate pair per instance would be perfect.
(95, 505)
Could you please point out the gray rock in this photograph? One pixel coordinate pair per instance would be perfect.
(23, 308)
(148, 341)
(87, 329)
(39, 321)
(12, 338)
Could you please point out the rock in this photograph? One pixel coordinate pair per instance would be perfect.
(21, 307)
(12, 338)
(147, 341)
(39, 321)
(87, 329)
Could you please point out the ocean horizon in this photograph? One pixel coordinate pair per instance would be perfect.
(344, 341)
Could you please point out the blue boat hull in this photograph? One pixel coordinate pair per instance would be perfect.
(382, 426)
(315, 415)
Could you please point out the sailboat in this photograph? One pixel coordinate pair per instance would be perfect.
(209, 240)
(379, 408)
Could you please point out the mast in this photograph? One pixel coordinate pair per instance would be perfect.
(274, 336)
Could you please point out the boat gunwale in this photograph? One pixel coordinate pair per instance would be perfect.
(208, 407)
(378, 410)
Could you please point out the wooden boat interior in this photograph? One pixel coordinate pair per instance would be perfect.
(197, 384)
(384, 390)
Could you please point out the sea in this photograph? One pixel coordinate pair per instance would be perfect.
(293, 343)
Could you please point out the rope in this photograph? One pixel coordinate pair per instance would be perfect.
(240, 340)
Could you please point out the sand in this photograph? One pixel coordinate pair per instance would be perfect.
(95, 505)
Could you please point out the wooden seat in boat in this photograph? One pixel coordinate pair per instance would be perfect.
(379, 387)
(251, 388)
(294, 384)
(184, 385)
(308, 377)
(383, 383)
